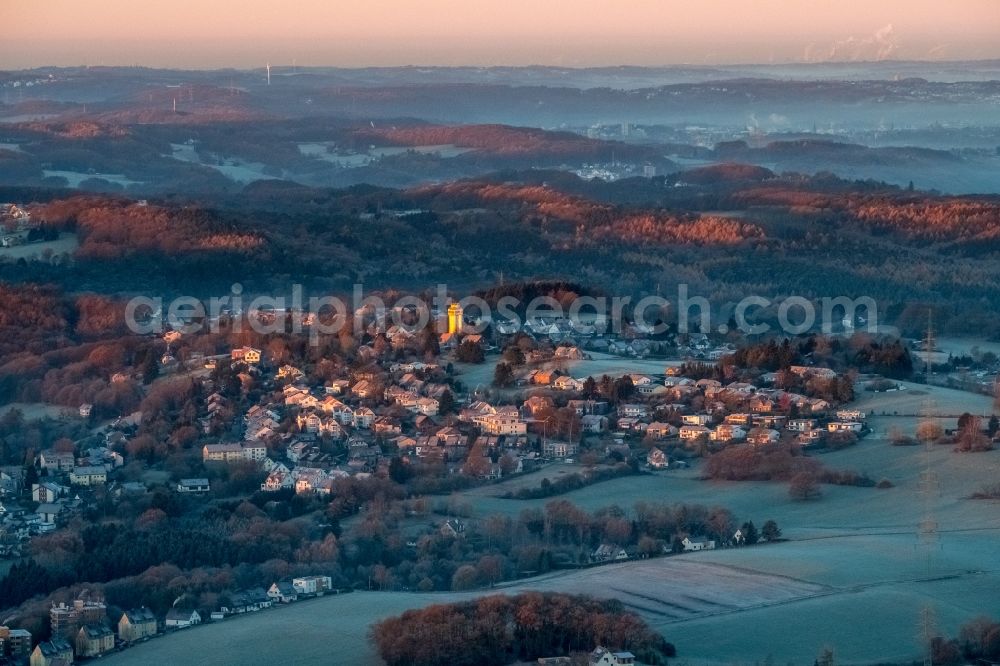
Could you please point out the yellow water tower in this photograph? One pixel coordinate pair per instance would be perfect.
(455, 322)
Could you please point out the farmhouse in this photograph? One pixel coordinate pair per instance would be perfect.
(604, 657)
(452, 528)
(606, 553)
(694, 545)
(179, 619)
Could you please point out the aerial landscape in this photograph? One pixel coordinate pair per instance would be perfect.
(500, 333)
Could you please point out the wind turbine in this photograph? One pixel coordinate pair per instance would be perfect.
(268, 67)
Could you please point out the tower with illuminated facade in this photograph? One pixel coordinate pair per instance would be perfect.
(455, 322)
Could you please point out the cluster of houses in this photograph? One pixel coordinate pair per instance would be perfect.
(82, 629)
(575, 338)
(15, 223)
(606, 552)
(365, 416)
(736, 412)
(56, 496)
(378, 413)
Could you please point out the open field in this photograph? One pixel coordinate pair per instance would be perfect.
(808, 594)
(33, 411)
(959, 346)
(843, 510)
(918, 399)
(66, 243)
(599, 364)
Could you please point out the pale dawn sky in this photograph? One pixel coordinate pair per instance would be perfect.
(247, 33)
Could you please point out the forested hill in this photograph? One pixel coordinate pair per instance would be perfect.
(725, 230)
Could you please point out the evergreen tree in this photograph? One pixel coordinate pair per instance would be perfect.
(446, 403)
(770, 531)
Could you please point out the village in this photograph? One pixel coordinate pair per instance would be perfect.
(406, 416)
(84, 629)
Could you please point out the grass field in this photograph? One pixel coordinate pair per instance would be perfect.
(596, 366)
(33, 411)
(783, 601)
(66, 243)
(916, 399)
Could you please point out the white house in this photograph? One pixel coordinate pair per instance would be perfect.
(693, 432)
(179, 619)
(694, 545)
(726, 432)
(801, 425)
(841, 426)
(283, 592)
(606, 553)
(312, 584)
(604, 657)
(633, 410)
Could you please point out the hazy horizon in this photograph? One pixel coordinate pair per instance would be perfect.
(586, 33)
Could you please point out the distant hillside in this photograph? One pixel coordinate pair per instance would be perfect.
(506, 140)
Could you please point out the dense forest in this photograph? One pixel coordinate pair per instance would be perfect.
(729, 232)
(499, 630)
